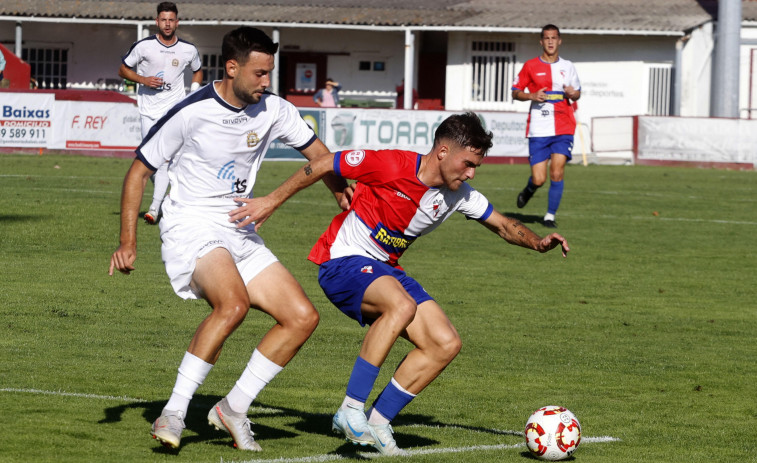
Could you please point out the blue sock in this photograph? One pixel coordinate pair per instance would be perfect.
(391, 401)
(361, 380)
(531, 187)
(555, 195)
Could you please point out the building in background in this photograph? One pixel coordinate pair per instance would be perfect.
(635, 57)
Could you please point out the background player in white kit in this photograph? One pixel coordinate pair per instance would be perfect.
(216, 139)
(160, 61)
(552, 83)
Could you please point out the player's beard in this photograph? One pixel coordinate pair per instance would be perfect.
(245, 95)
(167, 38)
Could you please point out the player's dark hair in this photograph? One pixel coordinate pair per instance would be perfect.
(167, 6)
(550, 27)
(239, 43)
(466, 130)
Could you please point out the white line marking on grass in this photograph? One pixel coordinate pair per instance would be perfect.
(433, 451)
(666, 219)
(72, 394)
(60, 176)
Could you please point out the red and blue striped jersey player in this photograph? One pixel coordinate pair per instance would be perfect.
(552, 84)
(399, 196)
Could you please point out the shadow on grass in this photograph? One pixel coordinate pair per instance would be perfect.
(524, 218)
(311, 423)
(530, 456)
(9, 218)
(195, 421)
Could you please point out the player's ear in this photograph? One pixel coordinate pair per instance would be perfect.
(442, 152)
(231, 67)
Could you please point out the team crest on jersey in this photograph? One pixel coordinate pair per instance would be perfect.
(252, 139)
(367, 269)
(354, 158)
(175, 63)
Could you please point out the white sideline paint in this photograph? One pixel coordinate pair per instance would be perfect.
(472, 448)
(72, 394)
(329, 457)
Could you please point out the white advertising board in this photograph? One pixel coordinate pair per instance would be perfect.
(90, 125)
(26, 119)
(699, 140)
(414, 130)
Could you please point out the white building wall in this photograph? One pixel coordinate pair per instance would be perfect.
(613, 70)
(458, 71)
(697, 72)
(748, 73)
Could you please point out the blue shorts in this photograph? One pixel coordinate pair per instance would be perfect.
(540, 149)
(344, 280)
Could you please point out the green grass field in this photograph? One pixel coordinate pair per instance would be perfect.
(647, 331)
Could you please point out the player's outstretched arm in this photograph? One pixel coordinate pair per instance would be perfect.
(514, 232)
(338, 186)
(258, 210)
(131, 198)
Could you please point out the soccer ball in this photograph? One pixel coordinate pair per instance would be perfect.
(552, 433)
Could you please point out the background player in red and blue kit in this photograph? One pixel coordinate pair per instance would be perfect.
(552, 82)
(400, 195)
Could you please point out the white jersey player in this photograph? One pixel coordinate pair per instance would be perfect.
(215, 140)
(157, 63)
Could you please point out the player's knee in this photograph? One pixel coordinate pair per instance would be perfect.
(298, 317)
(404, 311)
(305, 319)
(232, 314)
(450, 347)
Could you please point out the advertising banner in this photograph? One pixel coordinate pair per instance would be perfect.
(700, 140)
(91, 125)
(414, 130)
(26, 119)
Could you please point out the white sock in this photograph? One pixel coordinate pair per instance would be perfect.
(192, 372)
(160, 186)
(352, 403)
(549, 216)
(374, 417)
(256, 375)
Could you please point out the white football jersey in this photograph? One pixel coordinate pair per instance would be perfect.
(216, 149)
(152, 58)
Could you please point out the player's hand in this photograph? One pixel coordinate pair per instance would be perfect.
(153, 82)
(540, 96)
(251, 210)
(123, 259)
(345, 200)
(570, 92)
(553, 240)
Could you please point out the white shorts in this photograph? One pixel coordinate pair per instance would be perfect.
(187, 237)
(145, 124)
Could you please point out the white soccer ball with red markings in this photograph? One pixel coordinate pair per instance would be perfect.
(552, 433)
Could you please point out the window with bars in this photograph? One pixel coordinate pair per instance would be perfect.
(493, 68)
(660, 76)
(212, 68)
(49, 66)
